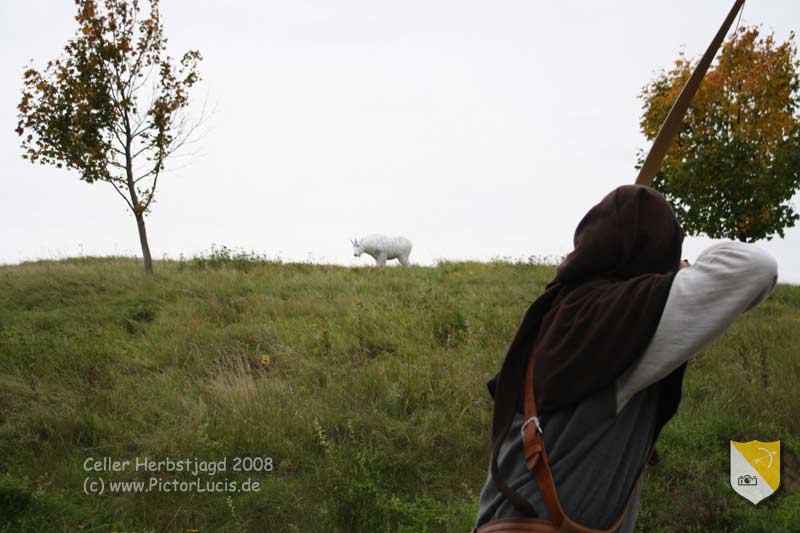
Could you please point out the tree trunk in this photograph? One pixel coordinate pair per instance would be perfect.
(136, 207)
(148, 261)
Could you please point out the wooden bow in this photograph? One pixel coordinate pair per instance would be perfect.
(673, 121)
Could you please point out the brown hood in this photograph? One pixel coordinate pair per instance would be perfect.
(601, 310)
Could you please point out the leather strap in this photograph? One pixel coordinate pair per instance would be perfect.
(517, 525)
(535, 453)
(539, 465)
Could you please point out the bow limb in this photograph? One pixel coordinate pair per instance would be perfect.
(672, 123)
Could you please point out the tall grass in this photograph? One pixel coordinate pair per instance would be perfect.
(366, 389)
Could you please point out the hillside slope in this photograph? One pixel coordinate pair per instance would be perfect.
(360, 392)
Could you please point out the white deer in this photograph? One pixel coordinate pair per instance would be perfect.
(381, 248)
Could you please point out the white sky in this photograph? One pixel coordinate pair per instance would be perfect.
(475, 128)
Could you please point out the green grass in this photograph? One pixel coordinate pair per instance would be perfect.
(372, 405)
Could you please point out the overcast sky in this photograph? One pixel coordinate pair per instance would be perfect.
(477, 129)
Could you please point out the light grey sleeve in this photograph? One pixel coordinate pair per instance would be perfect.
(727, 279)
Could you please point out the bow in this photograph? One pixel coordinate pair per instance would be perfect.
(673, 121)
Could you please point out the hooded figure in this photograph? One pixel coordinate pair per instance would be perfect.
(588, 331)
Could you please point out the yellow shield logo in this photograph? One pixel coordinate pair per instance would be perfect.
(755, 468)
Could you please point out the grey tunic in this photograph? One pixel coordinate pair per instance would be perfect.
(595, 456)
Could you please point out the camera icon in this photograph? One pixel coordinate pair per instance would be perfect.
(747, 480)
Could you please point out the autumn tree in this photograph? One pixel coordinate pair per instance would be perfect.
(735, 164)
(113, 105)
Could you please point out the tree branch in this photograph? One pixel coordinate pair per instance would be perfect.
(120, 193)
(152, 192)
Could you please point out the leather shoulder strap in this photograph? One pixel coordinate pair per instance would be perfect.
(539, 465)
(535, 453)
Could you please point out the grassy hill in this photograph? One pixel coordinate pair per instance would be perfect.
(361, 391)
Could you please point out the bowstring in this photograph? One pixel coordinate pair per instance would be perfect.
(735, 30)
(741, 12)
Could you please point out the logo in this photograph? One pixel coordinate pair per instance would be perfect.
(755, 468)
